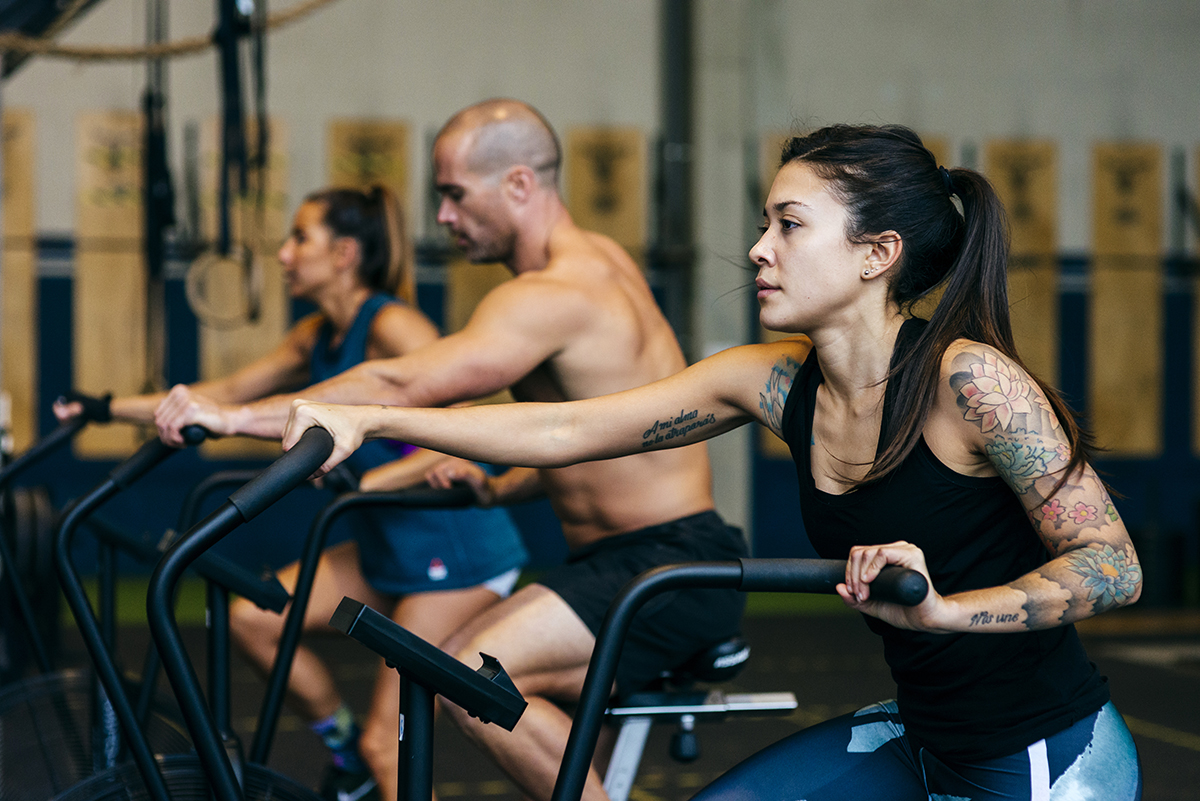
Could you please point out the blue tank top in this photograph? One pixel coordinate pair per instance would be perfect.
(352, 350)
(968, 696)
(415, 550)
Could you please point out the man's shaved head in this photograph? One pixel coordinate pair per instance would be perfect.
(503, 133)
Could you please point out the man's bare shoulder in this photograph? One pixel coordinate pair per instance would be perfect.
(532, 302)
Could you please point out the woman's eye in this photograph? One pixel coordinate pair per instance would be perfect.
(762, 229)
(787, 225)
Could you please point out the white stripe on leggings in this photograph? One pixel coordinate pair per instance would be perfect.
(1039, 772)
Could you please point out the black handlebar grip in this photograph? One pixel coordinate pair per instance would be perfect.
(194, 434)
(895, 584)
(455, 497)
(146, 457)
(792, 575)
(150, 454)
(899, 585)
(287, 472)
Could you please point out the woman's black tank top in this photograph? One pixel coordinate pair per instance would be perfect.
(964, 696)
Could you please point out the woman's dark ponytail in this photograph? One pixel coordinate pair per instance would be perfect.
(374, 219)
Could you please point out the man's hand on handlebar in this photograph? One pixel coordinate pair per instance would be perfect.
(183, 407)
(864, 565)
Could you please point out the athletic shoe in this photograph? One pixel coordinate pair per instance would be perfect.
(339, 784)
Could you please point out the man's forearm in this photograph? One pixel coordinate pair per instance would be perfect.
(363, 384)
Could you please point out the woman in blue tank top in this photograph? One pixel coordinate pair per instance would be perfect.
(923, 444)
(435, 569)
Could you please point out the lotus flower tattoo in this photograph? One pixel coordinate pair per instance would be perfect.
(994, 394)
(1108, 576)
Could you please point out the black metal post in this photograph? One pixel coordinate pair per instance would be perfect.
(179, 669)
(416, 741)
(675, 246)
(106, 669)
(602, 670)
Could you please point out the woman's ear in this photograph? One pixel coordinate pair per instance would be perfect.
(346, 252)
(882, 252)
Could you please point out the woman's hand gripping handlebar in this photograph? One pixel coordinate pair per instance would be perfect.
(303, 457)
(346, 425)
(867, 564)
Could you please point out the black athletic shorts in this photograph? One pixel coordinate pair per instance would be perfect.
(672, 626)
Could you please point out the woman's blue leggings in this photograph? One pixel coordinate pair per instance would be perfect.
(866, 755)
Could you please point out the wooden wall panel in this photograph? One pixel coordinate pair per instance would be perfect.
(109, 283)
(361, 152)
(606, 184)
(1025, 174)
(18, 339)
(1126, 313)
(225, 347)
(364, 152)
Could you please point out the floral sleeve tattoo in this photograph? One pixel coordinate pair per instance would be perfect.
(774, 395)
(1093, 566)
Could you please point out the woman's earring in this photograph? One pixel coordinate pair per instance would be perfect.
(867, 273)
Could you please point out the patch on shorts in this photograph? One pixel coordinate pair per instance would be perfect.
(437, 570)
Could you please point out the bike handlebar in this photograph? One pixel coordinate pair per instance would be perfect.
(785, 575)
(285, 474)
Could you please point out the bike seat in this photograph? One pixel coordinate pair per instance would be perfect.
(719, 662)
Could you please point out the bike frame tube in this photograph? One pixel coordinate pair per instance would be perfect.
(44, 446)
(180, 672)
(58, 436)
(602, 670)
(90, 629)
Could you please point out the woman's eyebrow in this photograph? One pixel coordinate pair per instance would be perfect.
(783, 204)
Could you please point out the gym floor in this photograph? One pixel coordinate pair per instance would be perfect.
(833, 664)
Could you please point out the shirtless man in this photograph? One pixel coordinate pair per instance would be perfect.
(577, 321)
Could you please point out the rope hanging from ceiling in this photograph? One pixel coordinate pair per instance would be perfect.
(11, 41)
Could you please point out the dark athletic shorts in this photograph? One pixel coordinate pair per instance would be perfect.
(672, 626)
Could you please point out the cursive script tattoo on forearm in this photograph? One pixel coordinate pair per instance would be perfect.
(675, 427)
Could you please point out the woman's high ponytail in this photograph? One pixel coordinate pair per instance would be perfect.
(374, 219)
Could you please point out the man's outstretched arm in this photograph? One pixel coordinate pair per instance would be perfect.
(515, 328)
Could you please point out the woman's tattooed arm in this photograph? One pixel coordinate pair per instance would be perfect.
(774, 394)
(1093, 565)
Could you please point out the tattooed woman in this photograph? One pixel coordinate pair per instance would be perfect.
(926, 444)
